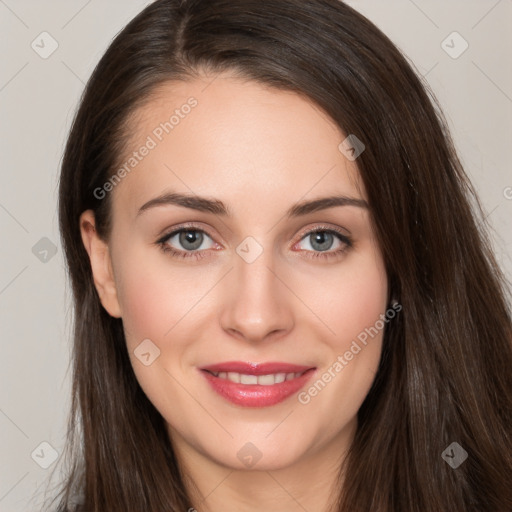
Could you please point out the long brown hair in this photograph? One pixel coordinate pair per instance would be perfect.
(445, 372)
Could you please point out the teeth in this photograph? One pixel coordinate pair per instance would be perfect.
(262, 380)
(234, 377)
(266, 380)
(280, 377)
(248, 379)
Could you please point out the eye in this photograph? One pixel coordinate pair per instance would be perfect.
(189, 241)
(321, 240)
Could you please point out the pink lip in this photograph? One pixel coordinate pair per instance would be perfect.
(256, 395)
(256, 368)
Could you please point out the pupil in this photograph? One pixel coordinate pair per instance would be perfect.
(194, 238)
(322, 241)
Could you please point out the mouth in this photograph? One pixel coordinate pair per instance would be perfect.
(256, 384)
(263, 380)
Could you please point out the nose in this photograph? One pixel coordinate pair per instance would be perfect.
(257, 305)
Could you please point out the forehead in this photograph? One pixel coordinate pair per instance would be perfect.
(232, 138)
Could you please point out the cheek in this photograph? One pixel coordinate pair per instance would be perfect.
(154, 306)
(151, 301)
(159, 301)
(351, 304)
(354, 298)
(142, 305)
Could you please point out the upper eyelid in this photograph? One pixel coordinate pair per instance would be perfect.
(329, 229)
(179, 229)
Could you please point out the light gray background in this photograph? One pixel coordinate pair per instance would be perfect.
(37, 101)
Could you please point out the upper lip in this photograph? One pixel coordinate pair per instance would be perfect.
(256, 368)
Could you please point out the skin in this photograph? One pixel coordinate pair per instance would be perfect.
(259, 151)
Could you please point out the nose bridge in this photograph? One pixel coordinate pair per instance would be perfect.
(256, 304)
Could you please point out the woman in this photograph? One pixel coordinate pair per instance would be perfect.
(336, 337)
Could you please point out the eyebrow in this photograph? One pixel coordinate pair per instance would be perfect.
(217, 207)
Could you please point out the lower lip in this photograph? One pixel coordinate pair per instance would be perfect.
(256, 395)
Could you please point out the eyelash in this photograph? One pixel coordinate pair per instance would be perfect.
(167, 249)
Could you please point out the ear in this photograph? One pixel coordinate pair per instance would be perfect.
(101, 264)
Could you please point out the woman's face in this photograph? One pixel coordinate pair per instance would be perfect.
(256, 278)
